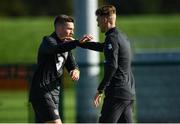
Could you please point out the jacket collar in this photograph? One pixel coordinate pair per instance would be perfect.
(110, 31)
(54, 35)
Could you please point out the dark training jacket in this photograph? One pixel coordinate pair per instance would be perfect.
(53, 56)
(118, 79)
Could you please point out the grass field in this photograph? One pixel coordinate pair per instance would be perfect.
(20, 38)
(15, 108)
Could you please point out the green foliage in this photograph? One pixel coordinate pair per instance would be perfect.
(12, 8)
(146, 6)
(48, 7)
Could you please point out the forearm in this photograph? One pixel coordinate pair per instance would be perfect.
(51, 45)
(66, 46)
(71, 64)
(92, 46)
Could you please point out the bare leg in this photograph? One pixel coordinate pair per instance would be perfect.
(57, 121)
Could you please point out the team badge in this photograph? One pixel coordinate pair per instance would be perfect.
(109, 46)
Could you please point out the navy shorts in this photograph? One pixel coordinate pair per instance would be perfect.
(46, 109)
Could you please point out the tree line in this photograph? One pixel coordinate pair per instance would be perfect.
(54, 7)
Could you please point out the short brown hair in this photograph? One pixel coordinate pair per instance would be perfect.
(62, 19)
(106, 10)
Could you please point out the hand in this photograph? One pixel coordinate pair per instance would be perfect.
(75, 74)
(97, 99)
(67, 39)
(86, 38)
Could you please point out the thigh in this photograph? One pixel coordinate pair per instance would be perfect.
(45, 110)
(126, 116)
(111, 110)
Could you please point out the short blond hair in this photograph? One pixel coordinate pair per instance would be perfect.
(106, 10)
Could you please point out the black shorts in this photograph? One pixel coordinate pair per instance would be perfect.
(45, 109)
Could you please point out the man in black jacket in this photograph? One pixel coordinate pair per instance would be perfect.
(54, 54)
(118, 82)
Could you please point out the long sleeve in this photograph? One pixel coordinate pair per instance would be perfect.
(111, 62)
(51, 46)
(108, 74)
(96, 46)
(71, 63)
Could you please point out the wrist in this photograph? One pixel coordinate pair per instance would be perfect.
(77, 42)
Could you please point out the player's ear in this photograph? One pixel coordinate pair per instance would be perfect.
(106, 19)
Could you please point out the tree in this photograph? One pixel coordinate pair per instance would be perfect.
(49, 7)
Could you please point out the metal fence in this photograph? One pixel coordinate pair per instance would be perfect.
(157, 85)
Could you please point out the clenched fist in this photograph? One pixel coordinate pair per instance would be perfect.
(75, 74)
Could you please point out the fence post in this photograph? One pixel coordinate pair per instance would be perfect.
(157, 87)
(87, 60)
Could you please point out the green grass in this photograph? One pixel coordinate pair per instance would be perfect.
(69, 105)
(155, 33)
(152, 33)
(14, 107)
(150, 26)
(20, 37)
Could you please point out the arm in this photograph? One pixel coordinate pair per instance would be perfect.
(53, 46)
(72, 67)
(70, 62)
(92, 46)
(111, 64)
